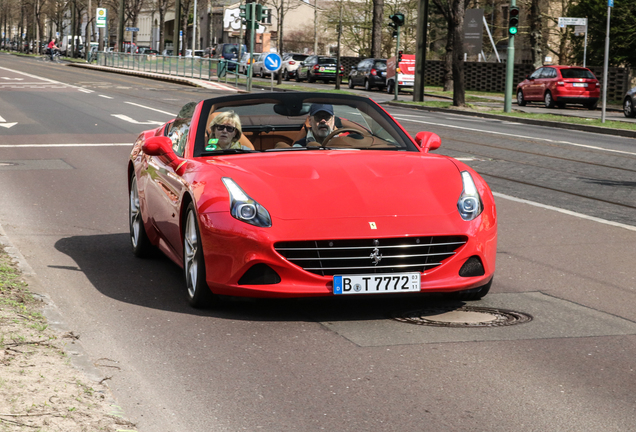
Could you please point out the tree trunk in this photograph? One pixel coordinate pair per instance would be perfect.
(162, 39)
(536, 30)
(376, 35)
(281, 16)
(448, 59)
(459, 9)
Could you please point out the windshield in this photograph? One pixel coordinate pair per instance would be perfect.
(577, 73)
(326, 60)
(284, 123)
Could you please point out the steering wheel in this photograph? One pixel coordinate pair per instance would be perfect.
(344, 130)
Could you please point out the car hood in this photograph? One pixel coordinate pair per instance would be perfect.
(342, 184)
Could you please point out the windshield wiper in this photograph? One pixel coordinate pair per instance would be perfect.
(227, 151)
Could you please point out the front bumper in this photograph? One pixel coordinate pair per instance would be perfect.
(230, 253)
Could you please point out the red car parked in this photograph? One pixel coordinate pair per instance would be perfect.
(558, 85)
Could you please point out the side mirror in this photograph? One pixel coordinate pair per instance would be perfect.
(161, 147)
(429, 141)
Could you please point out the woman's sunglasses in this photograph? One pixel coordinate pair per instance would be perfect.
(228, 128)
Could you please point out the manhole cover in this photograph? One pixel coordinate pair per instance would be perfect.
(465, 316)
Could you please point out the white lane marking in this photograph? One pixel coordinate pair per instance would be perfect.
(398, 117)
(133, 121)
(564, 211)
(104, 96)
(6, 125)
(44, 79)
(65, 145)
(12, 79)
(153, 109)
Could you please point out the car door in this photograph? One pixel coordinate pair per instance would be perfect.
(307, 65)
(355, 72)
(531, 90)
(164, 188)
(548, 76)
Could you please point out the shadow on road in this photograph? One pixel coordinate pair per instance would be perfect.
(157, 283)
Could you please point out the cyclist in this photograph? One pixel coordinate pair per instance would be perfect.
(52, 48)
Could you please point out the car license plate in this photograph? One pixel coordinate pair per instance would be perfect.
(579, 84)
(377, 283)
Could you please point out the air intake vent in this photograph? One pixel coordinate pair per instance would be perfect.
(341, 257)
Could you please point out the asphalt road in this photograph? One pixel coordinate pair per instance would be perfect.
(335, 365)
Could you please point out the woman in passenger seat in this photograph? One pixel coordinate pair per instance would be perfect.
(225, 132)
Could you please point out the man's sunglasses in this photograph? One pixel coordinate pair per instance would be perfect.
(228, 128)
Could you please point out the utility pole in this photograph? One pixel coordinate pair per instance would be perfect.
(513, 28)
(610, 4)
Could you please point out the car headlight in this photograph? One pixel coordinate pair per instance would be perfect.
(244, 208)
(469, 203)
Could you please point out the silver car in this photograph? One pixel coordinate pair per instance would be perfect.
(291, 61)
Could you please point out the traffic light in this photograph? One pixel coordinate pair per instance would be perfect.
(398, 19)
(259, 13)
(246, 12)
(399, 59)
(394, 27)
(513, 21)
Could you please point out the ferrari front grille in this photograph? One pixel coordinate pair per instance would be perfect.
(362, 256)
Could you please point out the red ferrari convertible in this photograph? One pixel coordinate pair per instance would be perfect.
(367, 211)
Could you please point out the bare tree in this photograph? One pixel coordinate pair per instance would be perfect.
(454, 11)
(280, 8)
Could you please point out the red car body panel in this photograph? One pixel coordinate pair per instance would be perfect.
(563, 88)
(311, 195)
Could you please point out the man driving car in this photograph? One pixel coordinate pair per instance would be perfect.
(322, 123)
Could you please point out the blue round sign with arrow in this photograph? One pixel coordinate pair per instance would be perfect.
(272, 62)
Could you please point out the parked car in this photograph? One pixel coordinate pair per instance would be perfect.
(629, 110)
(558, 85)
(253, 222)
(291, 62)
(369, 73)
(259, 65)
(242, 66)
(167, 52)
(229, 51)
(318, 68)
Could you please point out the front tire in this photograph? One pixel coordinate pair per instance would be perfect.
(351, 85)
(141, 246)
(628, 108)
(197, 289)
(286, 75)
(520, 99)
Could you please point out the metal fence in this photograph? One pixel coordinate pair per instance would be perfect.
(190, 67)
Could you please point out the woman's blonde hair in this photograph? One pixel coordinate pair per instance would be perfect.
(227, 117)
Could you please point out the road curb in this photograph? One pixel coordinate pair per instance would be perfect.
(561, 125)
(194, 82)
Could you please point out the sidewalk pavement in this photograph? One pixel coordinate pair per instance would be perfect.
(475, 112)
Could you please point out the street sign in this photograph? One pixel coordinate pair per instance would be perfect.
(132, 29)
(566, 21)
(610, 3)
(101, 16)
(272, 62)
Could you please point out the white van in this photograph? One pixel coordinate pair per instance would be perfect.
(66, 44)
